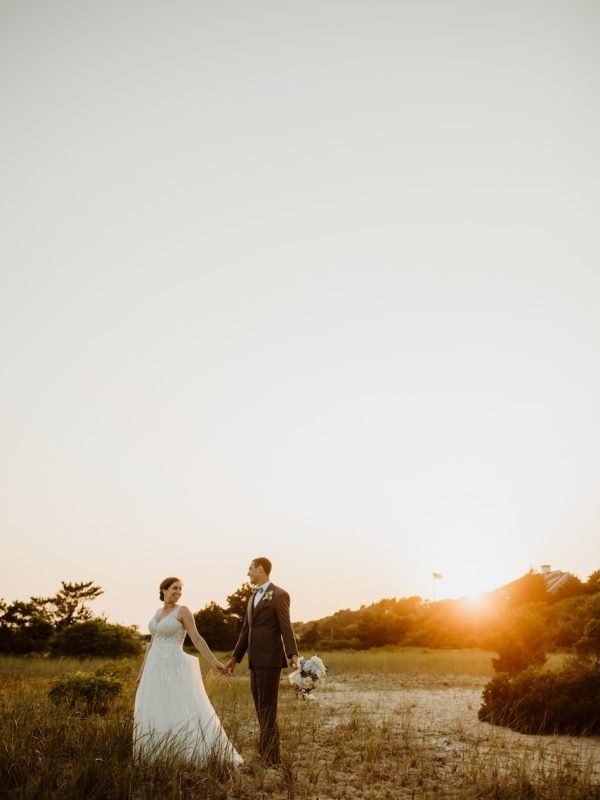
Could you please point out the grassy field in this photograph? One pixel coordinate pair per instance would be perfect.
(387, 724)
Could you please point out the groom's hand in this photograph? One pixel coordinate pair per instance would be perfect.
(295, 662)
(230, 665)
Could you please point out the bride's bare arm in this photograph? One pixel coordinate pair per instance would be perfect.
(189, 623)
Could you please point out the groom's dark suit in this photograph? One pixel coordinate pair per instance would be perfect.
(268, 636)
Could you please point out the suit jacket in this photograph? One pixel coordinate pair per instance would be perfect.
(267, 632)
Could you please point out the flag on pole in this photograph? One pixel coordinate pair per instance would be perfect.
(437, 576)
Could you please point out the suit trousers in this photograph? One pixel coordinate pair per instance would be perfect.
(264, 682)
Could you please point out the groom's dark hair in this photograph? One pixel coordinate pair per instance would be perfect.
(264, 563)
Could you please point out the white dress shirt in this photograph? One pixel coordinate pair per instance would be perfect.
(258, 595)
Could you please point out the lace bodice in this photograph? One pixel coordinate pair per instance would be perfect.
(167, 631)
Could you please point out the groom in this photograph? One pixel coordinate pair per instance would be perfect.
(268, 636)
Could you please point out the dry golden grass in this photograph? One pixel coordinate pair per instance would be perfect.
(387, 724)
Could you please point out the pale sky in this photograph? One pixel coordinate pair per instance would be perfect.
(313, 280)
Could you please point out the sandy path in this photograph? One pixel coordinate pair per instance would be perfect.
(443, 715)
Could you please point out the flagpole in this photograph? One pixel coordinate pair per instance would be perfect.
(435, 576)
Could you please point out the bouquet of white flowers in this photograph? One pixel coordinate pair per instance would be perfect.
(311, 671)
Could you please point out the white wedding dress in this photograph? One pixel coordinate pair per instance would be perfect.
(172, 711)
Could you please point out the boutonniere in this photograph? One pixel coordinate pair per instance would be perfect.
(268, 595)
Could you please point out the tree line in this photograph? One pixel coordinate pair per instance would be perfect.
(524, 610)
(63, 625)
(525, 614)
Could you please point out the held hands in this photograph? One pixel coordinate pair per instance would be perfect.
(230, 666)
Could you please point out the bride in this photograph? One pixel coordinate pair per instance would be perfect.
(172, 709)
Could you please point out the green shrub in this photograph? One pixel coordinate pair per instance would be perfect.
(545, 702)
(514, 657)
(521, 644)
(86, 692)
(95, 638)
(218, 627)
(29, 637)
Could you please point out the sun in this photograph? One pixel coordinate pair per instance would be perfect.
(477, 603)
(466, 582)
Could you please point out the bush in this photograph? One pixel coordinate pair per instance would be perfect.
(85, 692)
(217, 627)
(522, 644)
(545, 702)
(31, 637)
(514, 657)
(95, 638)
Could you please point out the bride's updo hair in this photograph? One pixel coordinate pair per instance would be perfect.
(165, 585)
